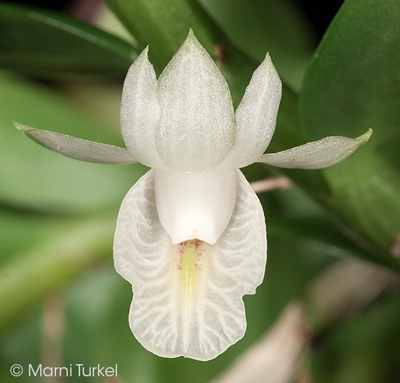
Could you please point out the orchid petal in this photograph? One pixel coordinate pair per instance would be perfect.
(188, 297)
(78, 148)
(140, 111)
(318, 154)
(256, 115)
(195, 204)
(196, 128)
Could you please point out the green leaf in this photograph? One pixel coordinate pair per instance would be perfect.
(275, 26)
(352, 85)
(46, 43)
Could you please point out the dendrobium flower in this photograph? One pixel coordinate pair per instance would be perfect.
(190, 234)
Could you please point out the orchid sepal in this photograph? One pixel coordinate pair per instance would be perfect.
(196, 130)
(78, 148)
(317, 154)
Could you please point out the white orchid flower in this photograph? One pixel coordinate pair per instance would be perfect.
(190, 234)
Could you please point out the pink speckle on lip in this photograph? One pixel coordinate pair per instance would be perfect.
(199, 253)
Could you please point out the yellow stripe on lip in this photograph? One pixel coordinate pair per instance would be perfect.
(190, 262)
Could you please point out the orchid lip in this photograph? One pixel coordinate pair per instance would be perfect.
(188, 296)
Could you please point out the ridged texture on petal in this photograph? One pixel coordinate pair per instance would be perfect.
(196, 129)
(140, 111)
(188, 297)
(256, 116)
(195, 204)
(78, 148)
(318, 154)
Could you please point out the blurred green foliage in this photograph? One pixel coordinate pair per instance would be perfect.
(47, 44)
(57, 215)
(352, 85)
